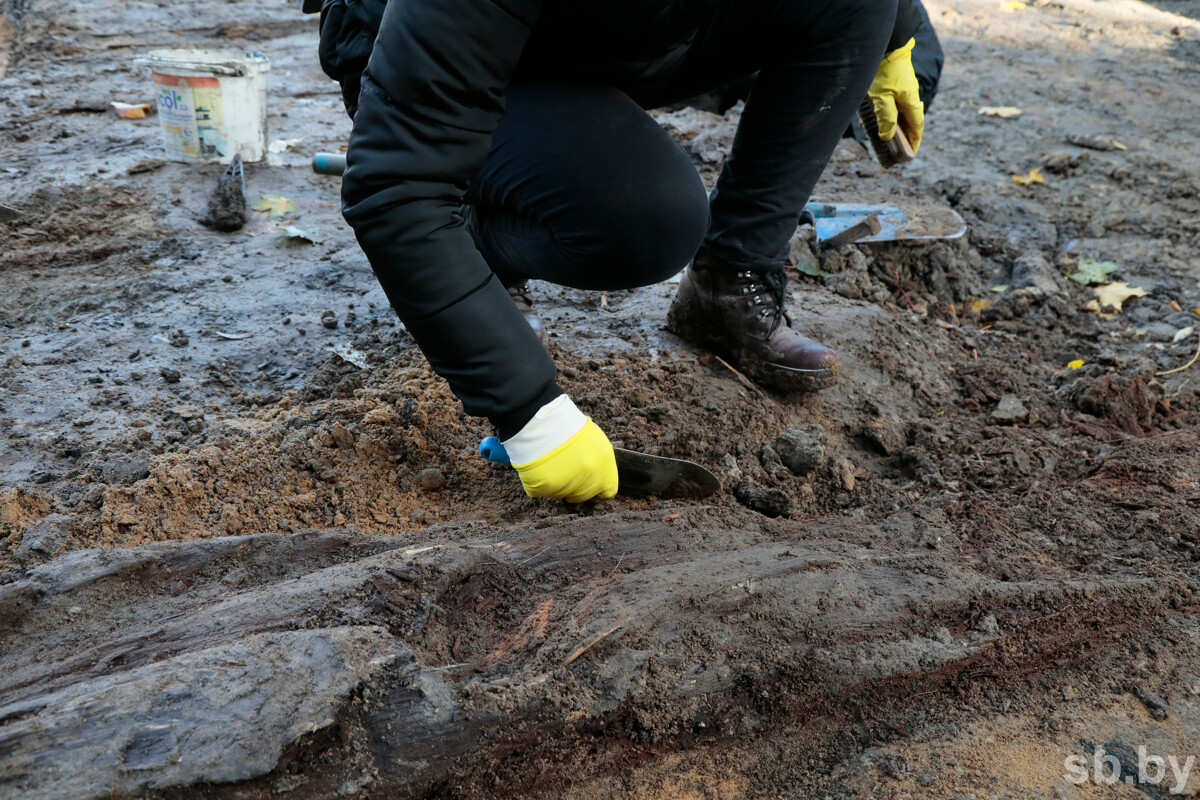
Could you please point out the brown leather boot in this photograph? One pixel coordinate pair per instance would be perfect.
(524, 302)
(740, 316)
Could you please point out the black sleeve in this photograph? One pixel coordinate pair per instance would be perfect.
(430, 100)
(908, 19)
(348, 29)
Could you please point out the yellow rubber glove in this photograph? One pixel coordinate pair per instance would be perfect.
(895, 94)
(562, 453)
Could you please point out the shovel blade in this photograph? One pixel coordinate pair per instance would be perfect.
(908, 221)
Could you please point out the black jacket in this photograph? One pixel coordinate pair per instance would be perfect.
(429, 100)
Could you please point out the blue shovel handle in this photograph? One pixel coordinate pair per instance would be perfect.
(493, 450)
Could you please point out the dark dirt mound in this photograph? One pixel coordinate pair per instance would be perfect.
(483, 661)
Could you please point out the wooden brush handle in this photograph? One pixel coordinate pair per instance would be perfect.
(899, 146)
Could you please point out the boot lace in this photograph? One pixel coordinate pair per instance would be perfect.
(766, 289)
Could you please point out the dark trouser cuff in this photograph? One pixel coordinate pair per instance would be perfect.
(709, 259)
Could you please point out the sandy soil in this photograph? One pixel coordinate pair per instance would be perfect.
(161, 381)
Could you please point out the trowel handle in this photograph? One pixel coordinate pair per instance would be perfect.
(329, 163)
(493, 450)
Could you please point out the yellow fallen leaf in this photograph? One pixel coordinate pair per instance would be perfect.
(1118, 146)
(1034, 176)
(976, 304)
(1002, 112)
(274, 205)
(128, 111)
(1076, 364)
(1013, 5)
(1115, 294)
(1196, 310)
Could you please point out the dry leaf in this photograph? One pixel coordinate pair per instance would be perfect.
(281, 145)
(300, 234)
(1013, 5)
(348, 354)
(1000, 112)
(275, 205)
(1076, 364)
(1093, 271)
(976, 304)
(1183, 333)
(1034, 176)
(1115, 294)
(127, 111)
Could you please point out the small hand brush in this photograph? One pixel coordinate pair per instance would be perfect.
(894, 151)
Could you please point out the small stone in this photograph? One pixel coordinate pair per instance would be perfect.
(1035, 272)
(42, 539)
(329, 320)
(419, 516)
(123, 470)
(988, 626)
(729, 471)
(177, 339)
(170, 375)
(886, 435)
(431, 480)
(1010, 409)
(801, 448)
(763, 499)
(1161, 332)
(1153, 702)
(844, 471)
(770, 460)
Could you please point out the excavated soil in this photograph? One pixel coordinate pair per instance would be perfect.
(161, 382)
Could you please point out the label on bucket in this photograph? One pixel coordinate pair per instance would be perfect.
(193, 122)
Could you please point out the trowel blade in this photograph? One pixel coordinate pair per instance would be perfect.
(643, 474)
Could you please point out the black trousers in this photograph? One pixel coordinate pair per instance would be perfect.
(582, 188)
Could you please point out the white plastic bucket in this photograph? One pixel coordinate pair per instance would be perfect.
(212, 104)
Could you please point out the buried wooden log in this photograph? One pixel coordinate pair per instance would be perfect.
(458, 653)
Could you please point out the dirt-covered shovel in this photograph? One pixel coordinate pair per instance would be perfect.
(640, 474)
(846, 223)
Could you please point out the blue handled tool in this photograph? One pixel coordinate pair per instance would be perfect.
(639, 474)
(329, 163)
(493, 450)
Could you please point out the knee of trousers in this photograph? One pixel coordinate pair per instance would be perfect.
(846, 21)
(653, 238)
(870, 16)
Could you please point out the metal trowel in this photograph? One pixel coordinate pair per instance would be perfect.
(640, 474)
(845, 223)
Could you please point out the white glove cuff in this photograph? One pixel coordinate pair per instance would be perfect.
(551, 426)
